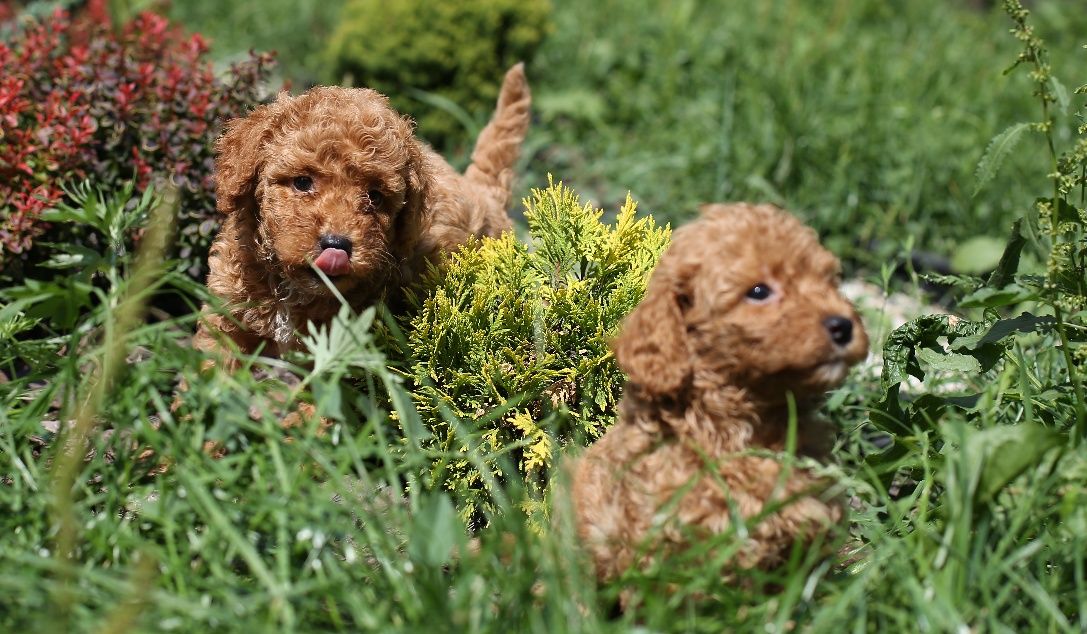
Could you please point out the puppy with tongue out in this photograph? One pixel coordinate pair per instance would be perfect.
(335, 258)
(334, 182)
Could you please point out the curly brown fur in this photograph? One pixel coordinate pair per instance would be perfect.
(336, 169)
(710, 362)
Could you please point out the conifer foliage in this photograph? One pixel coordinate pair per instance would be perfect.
(514, 338)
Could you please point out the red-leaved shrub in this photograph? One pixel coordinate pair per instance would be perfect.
(81, 101)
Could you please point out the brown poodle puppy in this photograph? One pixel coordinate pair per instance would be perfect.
(335, 179)
(742, 310)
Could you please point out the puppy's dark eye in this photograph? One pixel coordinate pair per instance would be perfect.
(302, 183)
(376, 197)
(759, 292)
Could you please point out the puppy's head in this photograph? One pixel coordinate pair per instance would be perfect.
(747, 294)
(332, 178)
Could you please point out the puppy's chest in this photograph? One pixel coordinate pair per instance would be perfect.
(277, 325)
(287, 322)
(283, 328)
(698, 487)
(288, 326)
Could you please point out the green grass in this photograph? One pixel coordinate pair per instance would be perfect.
(321, 534)
(868, 118)
(869, 121)
(338, 531)
(295, 29)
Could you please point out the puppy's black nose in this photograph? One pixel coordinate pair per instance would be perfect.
(335, 241)
(840, 329)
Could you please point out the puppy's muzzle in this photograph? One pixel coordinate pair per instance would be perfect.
(840, 329)
(335, 257)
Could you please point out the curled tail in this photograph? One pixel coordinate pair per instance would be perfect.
(499, 143)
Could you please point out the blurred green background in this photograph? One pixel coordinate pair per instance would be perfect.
(866, 117)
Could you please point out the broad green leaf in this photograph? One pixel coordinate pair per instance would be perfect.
(996, 297)
(900, 351)
(1000, 454)
(962, 284)
(1002, 328)
(78, 257)
(1009, 261)
(1060, 93)
(977, 255)
(329, 396)
(409, 418)
(1066, 212)
(999, 148)
(436, 530)
(948, 361)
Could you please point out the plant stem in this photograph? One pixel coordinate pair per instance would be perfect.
(72, 444)
(1034, 47)
(1080, 427)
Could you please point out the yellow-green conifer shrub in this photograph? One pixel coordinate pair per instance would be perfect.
(527, 327)
(455, 50)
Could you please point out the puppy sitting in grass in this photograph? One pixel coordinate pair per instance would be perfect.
(742, 312)
(335, 180)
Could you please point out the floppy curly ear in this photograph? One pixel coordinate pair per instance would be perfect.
(414, 217)
(652, 347)
(239, 157)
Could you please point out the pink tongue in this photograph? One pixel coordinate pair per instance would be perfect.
(333, 262)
